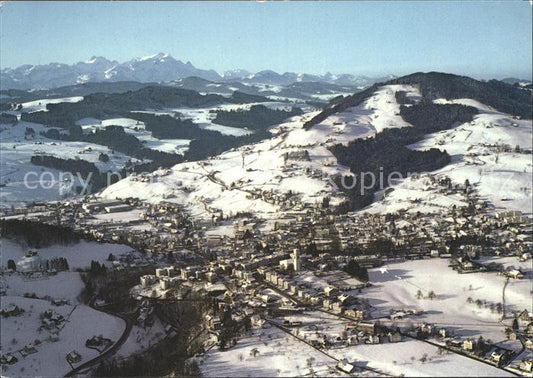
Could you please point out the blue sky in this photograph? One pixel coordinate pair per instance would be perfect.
(481, 39)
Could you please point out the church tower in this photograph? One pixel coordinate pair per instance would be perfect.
(296, 260)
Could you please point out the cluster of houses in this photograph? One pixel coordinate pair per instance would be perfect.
(336, 298)
(286, 200)
(170, 276)
(480, 348)
(51, 320)
(466, 265)
(27, 350)
(504, 147)
(497, 355)
(355, 333)
(150, 177)
(413, 236)
(161, 227)
(252, 260)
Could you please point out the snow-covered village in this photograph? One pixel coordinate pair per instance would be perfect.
(159, 219)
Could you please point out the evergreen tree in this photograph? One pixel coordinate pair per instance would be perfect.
(515, 324)
(11, 265)
(355, 270)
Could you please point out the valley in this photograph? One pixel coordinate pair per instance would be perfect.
(386, 232)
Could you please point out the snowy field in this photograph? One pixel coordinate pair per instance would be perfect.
(118, 217)
(78, 255)
(404, 358)
(505, 178)
(279, 355)
(81, 323)
(203, 117)
(16, 150)
(329, 96)
(40, 105)
(138, 130)
(223, 229)
(223, 183)
(395, 286)
(63, 285)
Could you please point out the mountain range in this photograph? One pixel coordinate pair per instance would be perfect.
(154, 68)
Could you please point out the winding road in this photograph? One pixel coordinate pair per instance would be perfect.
(128, 319)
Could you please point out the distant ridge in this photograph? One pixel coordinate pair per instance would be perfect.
(504, 97)
(155, 68)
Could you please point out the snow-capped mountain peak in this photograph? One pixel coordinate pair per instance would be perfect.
(96, 60)
(159, 56)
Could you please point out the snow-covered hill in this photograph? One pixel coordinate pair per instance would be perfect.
(23, 182)
(493, 152)
(280, 174)
(294, 167)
